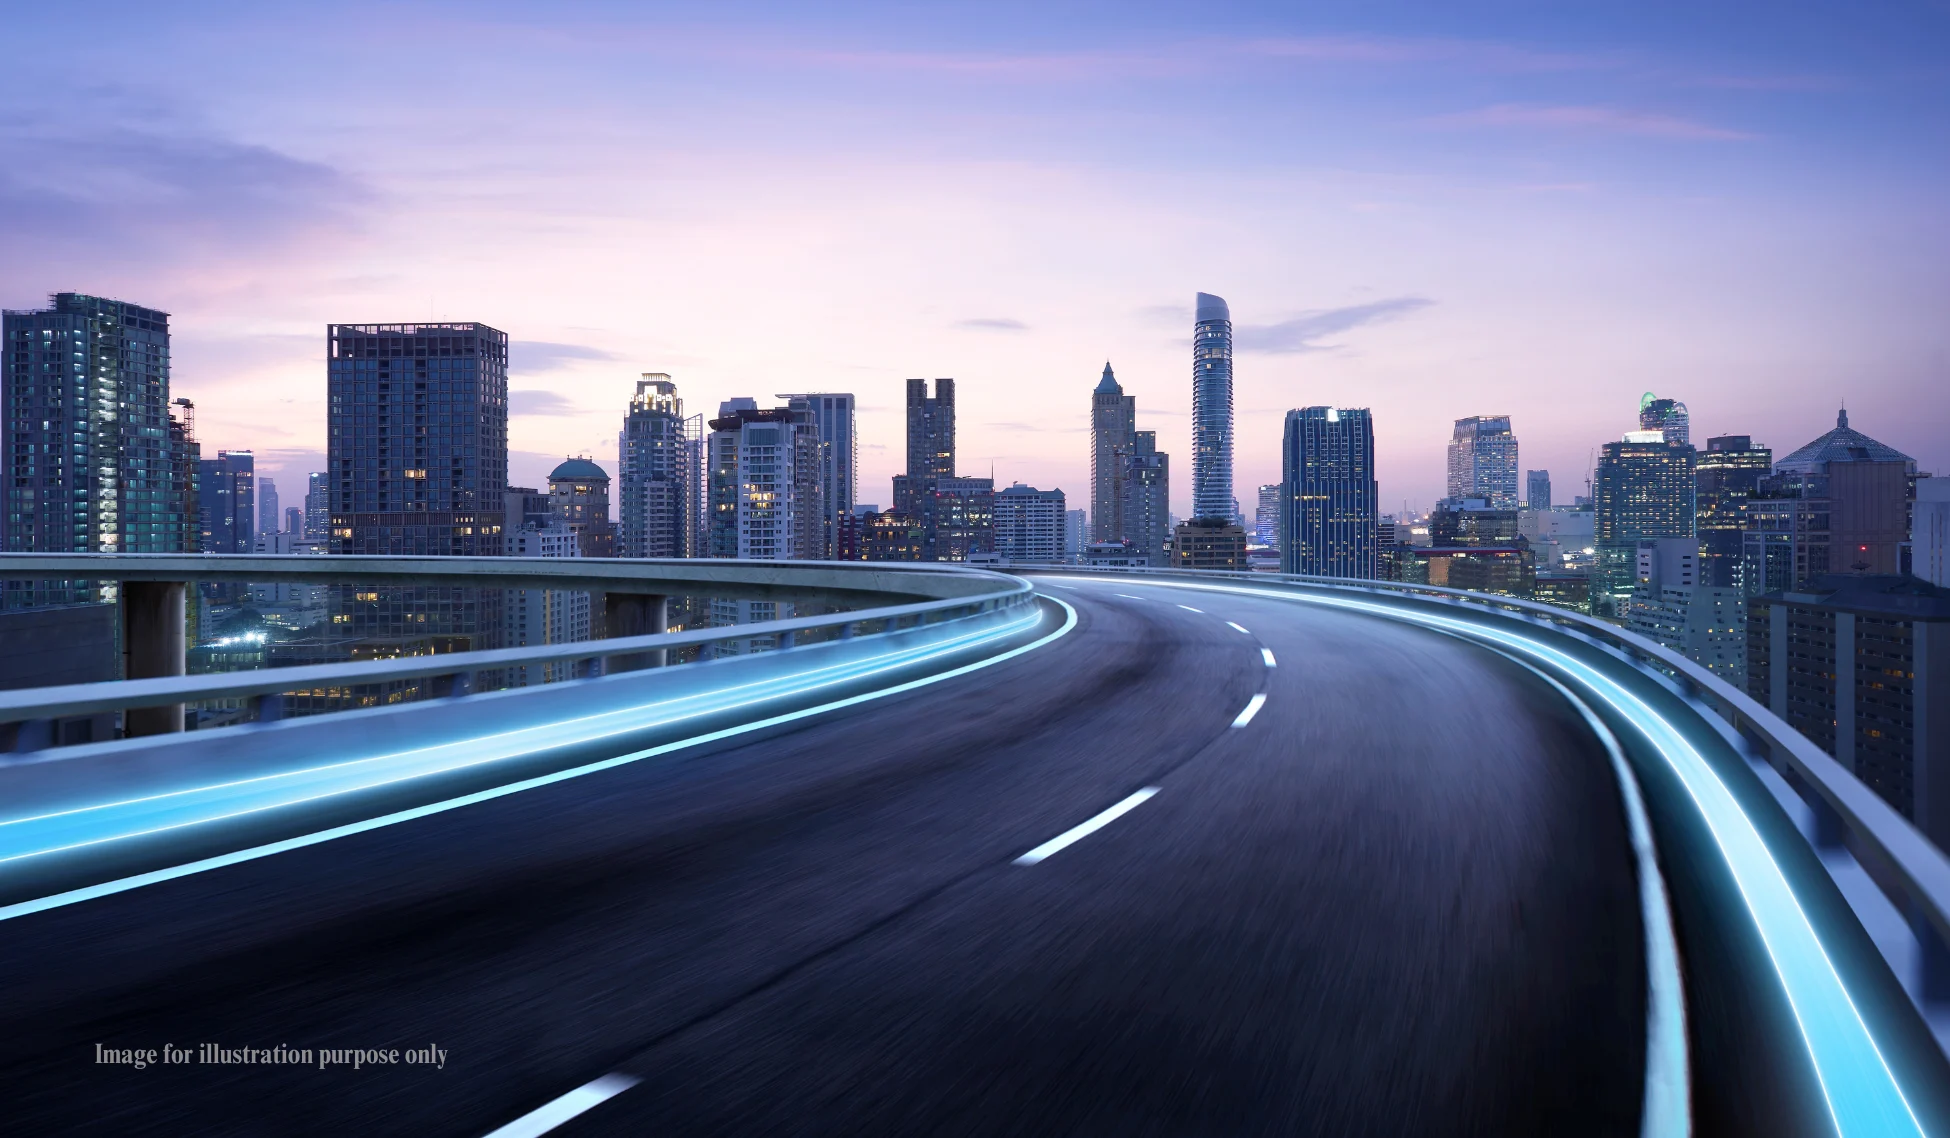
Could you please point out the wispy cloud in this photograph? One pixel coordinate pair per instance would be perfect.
(1589, 119)
(1301, 333)
(102, 191)
(993, 324)
(538, 403)
(532, 356)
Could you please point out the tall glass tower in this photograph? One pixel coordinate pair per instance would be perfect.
(1212, 410)
(1330, 523)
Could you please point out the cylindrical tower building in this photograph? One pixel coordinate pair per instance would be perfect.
(1212, 409)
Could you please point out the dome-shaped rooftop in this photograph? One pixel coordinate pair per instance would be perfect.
(577, 470)
(1108, 384)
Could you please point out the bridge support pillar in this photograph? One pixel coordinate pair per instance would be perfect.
(635, 614)
(153, 635)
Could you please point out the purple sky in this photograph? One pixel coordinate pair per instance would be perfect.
(1430, 210)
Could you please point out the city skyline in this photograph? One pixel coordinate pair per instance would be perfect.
(1638, 217)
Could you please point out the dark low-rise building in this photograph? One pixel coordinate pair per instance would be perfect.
(1209, 543)
(1860, 664)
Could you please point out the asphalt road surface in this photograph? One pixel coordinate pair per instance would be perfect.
(1398, 898)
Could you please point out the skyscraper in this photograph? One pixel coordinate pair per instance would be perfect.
(1029, 524)
(766, 489)
(1113, 417)
(418, 437)
(269, 514)
(97, 462)
(1330, 501)
(1076, 531)
(417, 460)
(832, 414)
(228, 489)
(1644, 489)
(1666, 415)
(659, 459)
(318, 507)
(956, 513)
(930, 443)
(1266, 516)
(1537, 489)
(1212, 410)
(1144, 495)
(1729, 472)
(1483, 461)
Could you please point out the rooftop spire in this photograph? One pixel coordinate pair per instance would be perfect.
(1108, 384)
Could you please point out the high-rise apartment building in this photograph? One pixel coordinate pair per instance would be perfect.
(765, 498)
(832, 415)
(1212, 410)
(1029, 524)
(1266, 516)
(97, 462)
(417, 461)
(417, 444)
(1330, 502)
(1483, 461)
(269, 514)
(1667, 416)
(318, 507)
(956, 514)
(1860, 664)
(1537, 489)
(1113, 419)
(1143, 495)
(660, 455)
(1729, 473)
(227, 485)
(1644, 489)
(930, 443)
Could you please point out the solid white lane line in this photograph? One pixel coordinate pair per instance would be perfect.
(1189, 608)
(547, 1117)
(1252, 708)
(1267, 655)
(1054, 585)
(1127, 596)
(1078, 833)
(1239, 627)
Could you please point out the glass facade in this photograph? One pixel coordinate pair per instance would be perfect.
(97, 462)
(1729, 473)
(1212, 410)
(1644, 489)
(1483, 461)
(1330, 499)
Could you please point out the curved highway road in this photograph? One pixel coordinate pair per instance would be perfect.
(1397, 898)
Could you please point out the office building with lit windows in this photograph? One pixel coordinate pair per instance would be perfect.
(1483, 461)
(1644, 488)
(1330, 502)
